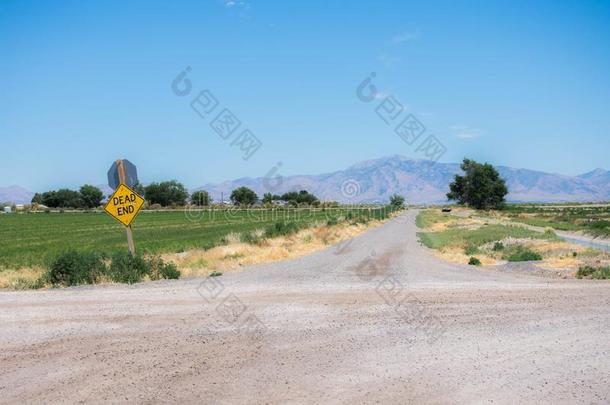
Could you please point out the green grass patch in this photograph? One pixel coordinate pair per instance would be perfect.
(598, 273)
(474, 261)
(594, 220)
(427, 218)
(476, 237)
(471, 250)
(521, 254)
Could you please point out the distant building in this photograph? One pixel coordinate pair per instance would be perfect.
(7, 210)
(279, 203)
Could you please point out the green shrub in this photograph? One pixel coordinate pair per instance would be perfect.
(158, 269)
(281, 229)
(521, 254)
(332, 221)
(73, 268)
(126, 268)
(474, 261)
(599, 225)
(498, 246)
(215, 274)
(471, 250)
(548, 231)
(598, 273)
(251, 238)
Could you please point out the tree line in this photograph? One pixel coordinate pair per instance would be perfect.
(480, 187)
(168, 194)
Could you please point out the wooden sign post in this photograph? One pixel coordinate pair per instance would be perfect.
(130, 244)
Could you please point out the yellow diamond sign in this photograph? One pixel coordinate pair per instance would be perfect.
(124, 204)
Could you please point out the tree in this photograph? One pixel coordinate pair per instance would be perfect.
(37, 199)
(138, 188)
(200, 198)
(481, 187)
(243, 196)
(69, 198)
(166, 193)
(62, 198)
(397, 201)
(49, 198)
(301, 197)
(91, 196)
(267, 198)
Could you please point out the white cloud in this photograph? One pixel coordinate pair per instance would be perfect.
(232, 3)
(464, 132)
(388, 60)
(380, 95)
(404, 37)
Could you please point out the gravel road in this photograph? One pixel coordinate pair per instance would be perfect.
(376, 320)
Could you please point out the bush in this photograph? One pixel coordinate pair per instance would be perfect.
(471, 250)
(498, 246)
(126, 268)
(281, 229)
(548, 231)
(598, 273)
(523, 255)
(73, 268)
(474, 261)
(250, 237)
(158, 269)
(332, 222)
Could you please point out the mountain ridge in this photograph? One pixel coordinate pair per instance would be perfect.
(423, 181)
(420, 181)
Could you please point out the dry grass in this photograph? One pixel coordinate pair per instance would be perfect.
(235, 254)
(457, 255)
(20, 279)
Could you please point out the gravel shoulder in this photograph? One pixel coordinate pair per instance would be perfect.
(376, 319)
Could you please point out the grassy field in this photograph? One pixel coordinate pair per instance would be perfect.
(467, 236)
(480, 237)
(591, 219)
(34, 239)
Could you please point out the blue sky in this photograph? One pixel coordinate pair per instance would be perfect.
(523, 84)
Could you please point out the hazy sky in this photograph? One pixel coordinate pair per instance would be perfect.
(523, 84)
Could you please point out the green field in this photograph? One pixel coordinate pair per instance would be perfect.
(457, 235)
(593, 219)
(33, 239)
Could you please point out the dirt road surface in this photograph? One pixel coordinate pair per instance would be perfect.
(377, 320)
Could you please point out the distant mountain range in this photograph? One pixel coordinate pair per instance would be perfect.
(16, 195)
(420, 181)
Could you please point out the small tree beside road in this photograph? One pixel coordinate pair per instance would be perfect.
(480, 187)
(397, 201)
